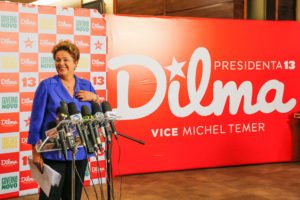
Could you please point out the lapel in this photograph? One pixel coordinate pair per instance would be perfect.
(60, 90)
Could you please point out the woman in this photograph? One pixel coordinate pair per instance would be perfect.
(65, 86)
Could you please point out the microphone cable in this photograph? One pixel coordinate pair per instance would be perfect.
(99, 175)
(92, 182)
(77, 173)
(119, 161)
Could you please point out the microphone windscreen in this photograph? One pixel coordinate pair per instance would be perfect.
(51, 125)
(95, 108)
(61, 110)
(105, 106)
(64, 105)
(85, 111)
(72, 108)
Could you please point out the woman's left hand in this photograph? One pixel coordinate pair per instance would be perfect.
(84, 95)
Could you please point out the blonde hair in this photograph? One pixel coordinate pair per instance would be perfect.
(68, 46)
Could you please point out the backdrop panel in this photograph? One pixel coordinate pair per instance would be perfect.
(203, 92)
(27, 35)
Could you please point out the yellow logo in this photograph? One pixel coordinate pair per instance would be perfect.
(10, 142)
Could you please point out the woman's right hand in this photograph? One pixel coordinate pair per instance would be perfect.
(37, 159)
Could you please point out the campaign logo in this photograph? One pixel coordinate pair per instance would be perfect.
(95, 14)
(84, 63)
(26, 100)
(65, 25)
(47, 24)
(83, 43)
(28, 8)
(9, 42)
(24, 160)
(28, 62)
(9, 122)
(97, 169)
(98, 44)
(26, 181)
(9, 62)
(9, 142)
(28, 22)
(9, 102)
(9, 162)
(9, 82)
(98, 26)
(46, 42)
(64, 11)
(9, 182)
(9, 22)
(24, 146)
(98, 80)
(24, 121)
(82, 26)
(28, 42)
(46, 62)
(28, 81)
(98, 62)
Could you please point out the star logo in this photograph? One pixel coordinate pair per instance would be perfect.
(176, 68)
(27, 121)
(28, 43)
(98, 45)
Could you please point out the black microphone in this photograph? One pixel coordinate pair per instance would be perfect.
(76, 116)
(87, 117)
(64, 105)
(98, 115)
(61, 114)
(106, 108)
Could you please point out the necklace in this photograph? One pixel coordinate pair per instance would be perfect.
(68, 85)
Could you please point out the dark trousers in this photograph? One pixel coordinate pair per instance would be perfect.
(64, 190)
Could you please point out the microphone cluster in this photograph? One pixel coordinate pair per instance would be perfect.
(88, 126)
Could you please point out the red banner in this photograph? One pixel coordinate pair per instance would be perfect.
(203, 92)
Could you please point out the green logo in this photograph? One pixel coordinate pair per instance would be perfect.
(47, 63)
(82, 26)
(9, 103)
(9, 21)
(10, 182)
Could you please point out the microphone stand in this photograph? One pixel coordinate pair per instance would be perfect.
(108, 153)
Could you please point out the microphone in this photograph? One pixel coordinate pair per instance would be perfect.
(98, 115)
(106, 108)
(64, 105)
(76, 116)
(51, 128)
(87, 117)
(61, 114)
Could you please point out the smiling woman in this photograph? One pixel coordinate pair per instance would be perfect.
(63, 87)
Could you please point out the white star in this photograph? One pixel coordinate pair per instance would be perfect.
(176, 68)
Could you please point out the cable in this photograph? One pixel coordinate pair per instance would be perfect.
(99, 175)
(77, 173)
(119, 161)
(93, 183)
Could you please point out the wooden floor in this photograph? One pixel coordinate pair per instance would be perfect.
(280, 181)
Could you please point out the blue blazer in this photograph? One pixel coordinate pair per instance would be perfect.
(46, 99)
